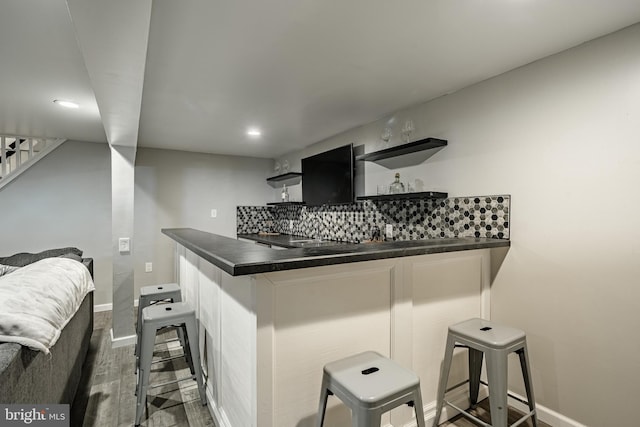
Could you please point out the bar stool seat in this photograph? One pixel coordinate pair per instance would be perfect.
(370, 385)
(154, 318)
(496, 342)
(154, 294)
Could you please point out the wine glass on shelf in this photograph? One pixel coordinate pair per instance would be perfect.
(407, 130)
(285, 166)
(386, 137)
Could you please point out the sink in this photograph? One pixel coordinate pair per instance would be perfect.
(304, 243)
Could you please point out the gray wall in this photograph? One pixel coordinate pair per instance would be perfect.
(179, 189)
(560, 135)
(63, 200)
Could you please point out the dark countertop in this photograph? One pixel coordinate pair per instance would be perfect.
(239, 258)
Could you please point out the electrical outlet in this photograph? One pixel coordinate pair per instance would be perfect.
(388, 231)
(214, 213)
(148, 267)
(124, 244)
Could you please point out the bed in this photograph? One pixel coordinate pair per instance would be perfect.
(35, 376)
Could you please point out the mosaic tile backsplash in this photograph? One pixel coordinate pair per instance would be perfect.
(477, 216)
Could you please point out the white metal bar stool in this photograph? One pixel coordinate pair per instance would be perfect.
(483, 337)
(154, 294)
(160, 316)
(370, 384)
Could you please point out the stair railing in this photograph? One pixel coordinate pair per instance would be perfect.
(18, 153)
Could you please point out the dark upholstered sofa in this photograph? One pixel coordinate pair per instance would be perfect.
(29, 376)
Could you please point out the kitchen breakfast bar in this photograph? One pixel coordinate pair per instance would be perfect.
(271, 319)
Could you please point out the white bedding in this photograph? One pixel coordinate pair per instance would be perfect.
(38, 300)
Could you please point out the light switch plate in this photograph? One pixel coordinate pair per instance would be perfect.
(388, 231)
(214, 213)
(148, 267)
(124, 244)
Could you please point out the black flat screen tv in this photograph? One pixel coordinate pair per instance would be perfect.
(327, 178)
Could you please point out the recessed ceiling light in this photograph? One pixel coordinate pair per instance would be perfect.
(254, 132)
(66, 104)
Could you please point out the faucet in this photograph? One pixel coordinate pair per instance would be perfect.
(375, 233)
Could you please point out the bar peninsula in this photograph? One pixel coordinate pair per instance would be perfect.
(271, 319)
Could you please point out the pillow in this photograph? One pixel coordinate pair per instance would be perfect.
(72, 256)
(6, 269)
(26, 258)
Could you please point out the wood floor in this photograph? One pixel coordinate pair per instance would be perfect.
(106, 395)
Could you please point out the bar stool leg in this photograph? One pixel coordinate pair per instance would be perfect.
(418, 408)
(142, 303)
(192, 338)
(186, 347)
(497, 375)
(362, 417)
(444, 377)
(324, 395)
(475, 370)
(146, 354)
(526, 375)
(179, 330)
(183, 341)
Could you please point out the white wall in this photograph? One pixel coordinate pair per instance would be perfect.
(560, 135)
(179, 189)
(63, 200)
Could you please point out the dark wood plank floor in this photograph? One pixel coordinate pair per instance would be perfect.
(106, 394)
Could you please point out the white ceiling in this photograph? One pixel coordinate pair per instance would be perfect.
(301, 71)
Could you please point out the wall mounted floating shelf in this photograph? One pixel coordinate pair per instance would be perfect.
(285, 203)
(429, 145)
(289, 178)
(405, 196)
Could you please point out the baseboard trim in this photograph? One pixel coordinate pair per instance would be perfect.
(109, 307)
(545, 414)
(220, 419)
(122, 341)
(102, 307)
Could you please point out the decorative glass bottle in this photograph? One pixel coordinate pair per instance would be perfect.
(285, 194)
(396, 186)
